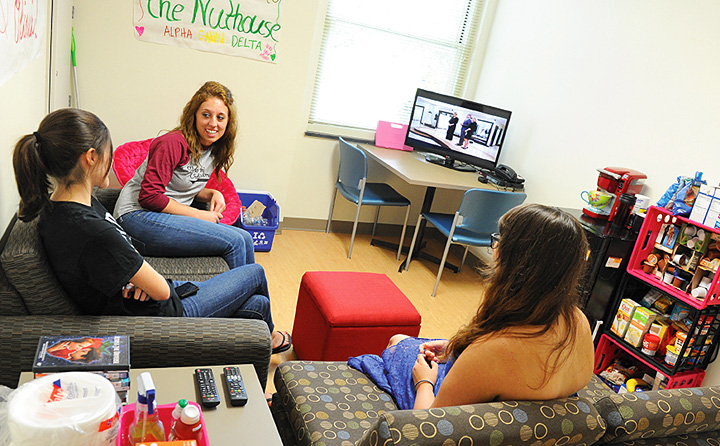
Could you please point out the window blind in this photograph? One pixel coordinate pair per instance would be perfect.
(376, 53)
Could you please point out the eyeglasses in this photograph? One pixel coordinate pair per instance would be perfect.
(494, 240)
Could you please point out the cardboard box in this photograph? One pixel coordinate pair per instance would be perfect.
(640, 323)
(706, 209)
(624, 315)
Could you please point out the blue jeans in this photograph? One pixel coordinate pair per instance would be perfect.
(241, 292)
(168, 235)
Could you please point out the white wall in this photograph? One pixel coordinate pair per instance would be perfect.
(595, 84)
(24, 104)
(614, 83)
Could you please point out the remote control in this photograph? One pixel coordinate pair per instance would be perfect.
(206, 385)
(235, 386)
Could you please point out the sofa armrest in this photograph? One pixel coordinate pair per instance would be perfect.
(154, 341)
(568, 421)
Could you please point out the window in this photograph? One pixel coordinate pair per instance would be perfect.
(376, 53)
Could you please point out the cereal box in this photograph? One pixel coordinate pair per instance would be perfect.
(622, 318)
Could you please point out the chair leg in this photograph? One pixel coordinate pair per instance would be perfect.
(402, 235)
(332, 207)
(467, 248)
(355, 225)
(442, 264)
(377, 214)
(412, 243)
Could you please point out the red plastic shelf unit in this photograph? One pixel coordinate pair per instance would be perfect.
(608, 350)
(655, 219)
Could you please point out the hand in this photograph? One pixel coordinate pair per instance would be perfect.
(130, 291)
(217, 202)
(424, 369)
(211, 216)
(432, 349)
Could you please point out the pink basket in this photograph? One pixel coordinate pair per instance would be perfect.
(127, 415)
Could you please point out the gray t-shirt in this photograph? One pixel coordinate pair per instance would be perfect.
(167, 173)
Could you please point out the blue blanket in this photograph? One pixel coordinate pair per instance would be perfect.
(392, 371)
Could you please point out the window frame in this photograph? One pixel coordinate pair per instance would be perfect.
(468, 89)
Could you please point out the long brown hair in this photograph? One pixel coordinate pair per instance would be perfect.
(53, 152)
(540, 259)
(224, 148)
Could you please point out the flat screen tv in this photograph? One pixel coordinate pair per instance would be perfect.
(430, 130)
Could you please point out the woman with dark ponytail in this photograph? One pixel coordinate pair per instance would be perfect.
(56, 169)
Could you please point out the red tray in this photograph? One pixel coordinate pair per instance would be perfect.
(127, 415)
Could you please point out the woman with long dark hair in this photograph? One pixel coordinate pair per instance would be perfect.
(154, 206)
(56, 169)
(529, 339)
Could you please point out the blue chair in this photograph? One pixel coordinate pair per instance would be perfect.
(472, 224)
(352, 184)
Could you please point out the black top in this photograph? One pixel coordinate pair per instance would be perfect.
(93, 259)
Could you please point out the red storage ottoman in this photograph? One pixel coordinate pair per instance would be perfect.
(343, 314)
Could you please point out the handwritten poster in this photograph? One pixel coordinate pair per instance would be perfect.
(23, 25)
(247, 28)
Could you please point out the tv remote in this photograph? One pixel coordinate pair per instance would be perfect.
(235, 386)
(206, 385)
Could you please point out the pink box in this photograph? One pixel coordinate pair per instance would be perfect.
(391, 135)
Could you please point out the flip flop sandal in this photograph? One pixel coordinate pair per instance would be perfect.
(283, 346)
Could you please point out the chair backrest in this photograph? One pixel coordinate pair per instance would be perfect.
(353, 165)
(481, 208)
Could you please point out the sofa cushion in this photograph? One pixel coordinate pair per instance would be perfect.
(328, 402)
(11, 303)
(197, 269)
(596, 390)
(567, 421)
(29, 272)
(661, 414)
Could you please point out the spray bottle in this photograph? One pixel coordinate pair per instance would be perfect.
(147, 426)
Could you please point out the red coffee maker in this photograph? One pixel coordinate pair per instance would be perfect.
(615, 181)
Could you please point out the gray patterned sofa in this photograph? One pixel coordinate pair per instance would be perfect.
(32, 304)
(331, 404)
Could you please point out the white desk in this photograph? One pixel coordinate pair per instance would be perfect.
(413, 169)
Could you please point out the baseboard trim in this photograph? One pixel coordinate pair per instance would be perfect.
(383, 229)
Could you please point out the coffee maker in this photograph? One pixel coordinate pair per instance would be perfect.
(615, 181)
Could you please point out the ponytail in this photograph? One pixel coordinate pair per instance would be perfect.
(31, 177)
(53, 152)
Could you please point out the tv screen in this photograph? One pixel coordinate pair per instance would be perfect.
(433, 129)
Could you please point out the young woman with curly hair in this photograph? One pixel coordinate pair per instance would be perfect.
(155, 208)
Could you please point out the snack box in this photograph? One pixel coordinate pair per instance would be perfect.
(640, 323)
(660, 328)
(622, 318)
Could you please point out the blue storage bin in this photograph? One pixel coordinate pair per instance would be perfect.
(262, 235)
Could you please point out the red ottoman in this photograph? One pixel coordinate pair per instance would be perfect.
(343, 314)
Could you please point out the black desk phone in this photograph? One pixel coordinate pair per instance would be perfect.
(503, 176)
(506, 173)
